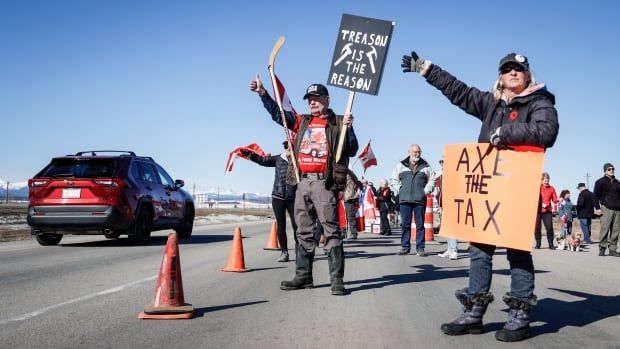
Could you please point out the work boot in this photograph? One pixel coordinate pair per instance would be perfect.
(517, 328)
(550, 241)
(474, 308)
(303, 271)
(601, 251)
(335, 259)
(614, 253)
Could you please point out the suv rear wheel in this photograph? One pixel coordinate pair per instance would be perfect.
(48, 239)
(187, 224)
(141, 227)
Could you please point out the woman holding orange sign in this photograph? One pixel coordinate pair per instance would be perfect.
(518, 111)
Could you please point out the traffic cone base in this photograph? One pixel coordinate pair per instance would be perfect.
(272, 243)
(236, 261)
(168, 301)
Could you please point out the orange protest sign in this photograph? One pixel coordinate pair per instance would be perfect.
(490, 196)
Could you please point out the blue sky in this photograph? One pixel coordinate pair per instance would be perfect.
(169, 79)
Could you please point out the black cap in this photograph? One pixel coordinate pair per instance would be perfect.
(316, 90)
(606, 166)
(581, 185)
(515, 58)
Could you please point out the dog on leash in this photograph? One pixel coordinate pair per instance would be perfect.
(574, 241)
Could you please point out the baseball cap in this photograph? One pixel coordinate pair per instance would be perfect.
(316, 90)
(581, 185)
(515, 58)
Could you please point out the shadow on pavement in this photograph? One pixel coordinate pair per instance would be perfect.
(155, 241)
(199, 312)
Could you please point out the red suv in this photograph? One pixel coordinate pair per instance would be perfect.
(107, 192)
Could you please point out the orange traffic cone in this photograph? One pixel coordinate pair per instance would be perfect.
(236, 262)
(429, 233)
(168, 301)
(272, 243)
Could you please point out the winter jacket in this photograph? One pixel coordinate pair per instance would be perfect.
(351, 190)
(585, 204)
(529, 119)
(281, 190)
(384, 199)
(412, 187)
(607, 193)
(299, 123)
(565, 208)
(548, 197)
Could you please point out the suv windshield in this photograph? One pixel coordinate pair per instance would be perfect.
(79, 168)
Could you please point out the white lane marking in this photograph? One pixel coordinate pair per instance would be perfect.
(75, 300)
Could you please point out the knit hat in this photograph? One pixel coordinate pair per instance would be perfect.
(607, 165)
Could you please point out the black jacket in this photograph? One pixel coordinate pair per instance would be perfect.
(585, 204)
(607, 193)
(527, 120)
(281, 189)
(299, 124)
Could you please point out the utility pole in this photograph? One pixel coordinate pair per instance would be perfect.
(587, 180)
(7, 191)
(217, 204)
(243, 198)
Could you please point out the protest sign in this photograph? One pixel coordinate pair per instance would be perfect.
(490, 196)
(359, 55)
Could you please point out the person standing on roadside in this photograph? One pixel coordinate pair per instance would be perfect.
(351, 197)
(282, 195)
(411, 180)
(384, 201)
(607, 195)
(322, 177)
(518, 111)
(585, 211)
(547, 206)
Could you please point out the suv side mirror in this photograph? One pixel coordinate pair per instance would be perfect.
(179, 183)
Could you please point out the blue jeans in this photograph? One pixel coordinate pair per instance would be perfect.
(586, 228)
(406, 209)
(480, 271)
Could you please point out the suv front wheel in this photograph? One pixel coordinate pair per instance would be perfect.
(187, 224)
(141, 227)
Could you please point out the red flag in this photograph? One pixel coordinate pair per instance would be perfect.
(367, 157)
(237, 153)
(369, 203)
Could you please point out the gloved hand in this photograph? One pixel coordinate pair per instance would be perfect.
(414, 63)
(494, 137)
(245, 152)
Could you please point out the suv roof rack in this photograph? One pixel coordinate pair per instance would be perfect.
(94, 152)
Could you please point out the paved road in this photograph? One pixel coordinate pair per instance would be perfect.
(87, 293)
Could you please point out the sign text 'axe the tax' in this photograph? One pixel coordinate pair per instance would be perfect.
(359, 55)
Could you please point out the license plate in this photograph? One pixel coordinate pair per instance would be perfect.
(72, 193)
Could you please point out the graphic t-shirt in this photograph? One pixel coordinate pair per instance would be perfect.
(313, 151)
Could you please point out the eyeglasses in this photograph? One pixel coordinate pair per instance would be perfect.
(509, 68)
(610, 169)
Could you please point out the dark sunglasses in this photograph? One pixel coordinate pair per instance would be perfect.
(610, 169)
(509, 68)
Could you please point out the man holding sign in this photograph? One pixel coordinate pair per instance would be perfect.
(322, 177)
(518, 112)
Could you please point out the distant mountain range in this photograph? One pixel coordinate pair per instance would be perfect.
(19, 191)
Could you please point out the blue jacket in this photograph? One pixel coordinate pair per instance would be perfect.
(412, 187)
(281, 190)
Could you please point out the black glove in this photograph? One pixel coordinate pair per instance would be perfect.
(245, 152)
(413, 63)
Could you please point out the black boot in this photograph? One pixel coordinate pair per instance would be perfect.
(303, 271)
(601, 251)
(517, 328)
(470, 321)
(537, 244)
(335, 259)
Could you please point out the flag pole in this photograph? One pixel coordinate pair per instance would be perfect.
(343, 130)
(276, 89)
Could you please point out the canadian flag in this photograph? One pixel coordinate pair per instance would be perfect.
(367, 157)
(369, 203)
(237, 153)
(286, 104)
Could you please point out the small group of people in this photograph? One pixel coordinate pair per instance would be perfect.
(518, 111)
(604, 201)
